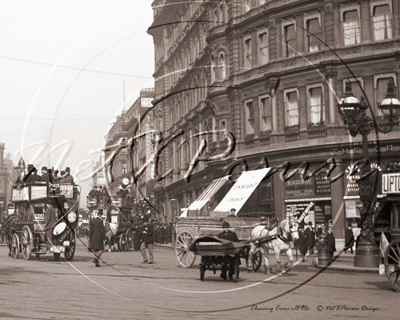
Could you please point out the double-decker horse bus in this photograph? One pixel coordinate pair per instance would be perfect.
(28, 230)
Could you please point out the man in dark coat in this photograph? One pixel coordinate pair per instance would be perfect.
(349, 238)
(331, 242)
(302, 243)
(311, 238)
(67, 178)
(97, 235)
(169, 232)
(45, 176)
(49, 220)
(147, 240)
(319, 231)
(33, 177)
(229, 261)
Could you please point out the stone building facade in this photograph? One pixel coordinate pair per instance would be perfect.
(272, 72)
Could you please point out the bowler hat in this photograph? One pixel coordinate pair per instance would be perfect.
(67, 169)
(44, 168)
(225, 224)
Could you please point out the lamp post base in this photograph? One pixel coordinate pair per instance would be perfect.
(367, 254)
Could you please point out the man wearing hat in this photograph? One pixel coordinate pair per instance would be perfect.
(97, 235)
(49, 220)
(67, 178)
(147, 240)
(32, 175)
(231, 236)
(45, 176)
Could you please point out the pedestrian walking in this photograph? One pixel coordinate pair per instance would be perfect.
(147, 240)
(310, 237)
(331, 242)
(349, 237)
(97, 235)
(302, 243)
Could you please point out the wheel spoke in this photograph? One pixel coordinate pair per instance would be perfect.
(397, 277)
(178, 240)
(392, 257)
(398, 250)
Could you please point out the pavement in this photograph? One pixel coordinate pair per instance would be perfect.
(343, 262)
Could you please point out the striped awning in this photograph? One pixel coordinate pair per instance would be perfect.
(206, 195)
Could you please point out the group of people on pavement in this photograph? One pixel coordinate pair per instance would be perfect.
(307, 239)
(47, 175)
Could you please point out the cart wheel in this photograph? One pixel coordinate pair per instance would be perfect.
(15, 246)
(392, 263)
(257, 258)
(26, 239)
(70, 251)
(56, 256)
(202, 271)
(185, 257)
(236, 275)
(120, 245)
(129, 239)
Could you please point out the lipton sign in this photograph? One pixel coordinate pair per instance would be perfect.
(391, 183)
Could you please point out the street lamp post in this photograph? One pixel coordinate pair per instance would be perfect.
(352, 112)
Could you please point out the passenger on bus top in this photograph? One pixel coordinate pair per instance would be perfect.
(55, 176)
(45, 176)
(33, 176)
(67, 178)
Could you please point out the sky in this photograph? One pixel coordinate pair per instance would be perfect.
(66, 68)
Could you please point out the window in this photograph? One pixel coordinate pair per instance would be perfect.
(292, 108)
(248, 54)
(290, 40)
(124, 167)
(222, 66)
(313, 35)
(381, 86)
(247, 5)
(263, 48)
(351, 27)
(316, 106)
(265, 114)
(249, 117)
(382, 23)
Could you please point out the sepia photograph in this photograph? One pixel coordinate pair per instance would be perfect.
(199, 159)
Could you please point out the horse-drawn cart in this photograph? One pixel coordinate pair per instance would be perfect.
(189, 229)
(214, 252)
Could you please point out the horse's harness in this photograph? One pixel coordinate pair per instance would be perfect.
(279, 234)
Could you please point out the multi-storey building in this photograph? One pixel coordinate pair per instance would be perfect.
(272, 72)
(8, 176)
(124, 128)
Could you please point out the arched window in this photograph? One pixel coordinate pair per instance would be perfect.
(222, 66)
(221, 13)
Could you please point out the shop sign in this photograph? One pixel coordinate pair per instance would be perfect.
(38, 192)
(296, 209)
(391, 183)
(322, 186)
(20, 195)
(352, 209)
(67, 190)
(351, 184)
(296, 186)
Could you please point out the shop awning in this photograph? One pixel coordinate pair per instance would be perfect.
(206, 195)
(242, 190)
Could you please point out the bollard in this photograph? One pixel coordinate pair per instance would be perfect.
(323, 253)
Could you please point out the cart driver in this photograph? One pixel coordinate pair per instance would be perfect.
(231, 236)
(49, 220)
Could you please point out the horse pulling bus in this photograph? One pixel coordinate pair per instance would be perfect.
(26, 229)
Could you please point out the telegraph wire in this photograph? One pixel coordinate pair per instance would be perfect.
(75, 68)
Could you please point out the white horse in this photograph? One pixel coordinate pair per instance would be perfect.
(282, 236)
